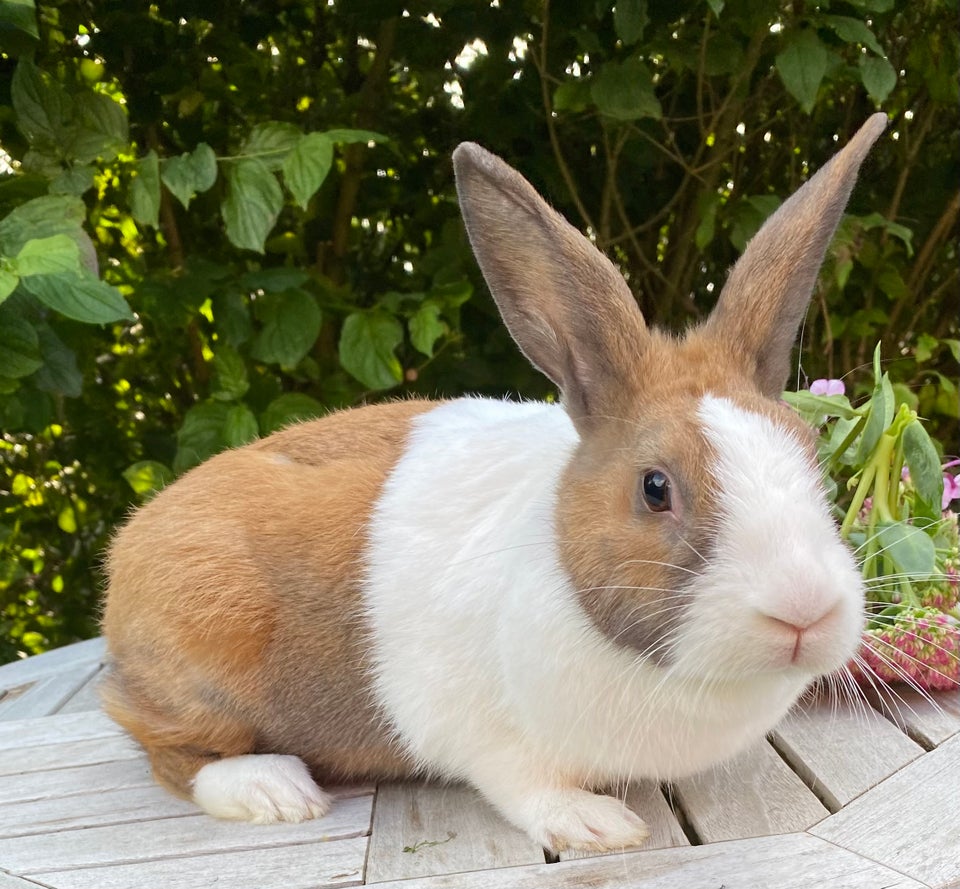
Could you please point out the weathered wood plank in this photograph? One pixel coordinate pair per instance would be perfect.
(797, 861)
(57, 729)
(86, 698)
(929, 719)
(306, 866)
(424, 829)
(841, 751)
(46, 695)
(755, 794)
(188, 835)
(60, 659)
(73, 753)
(98, 808)
(9, 881)
(647, 800)
(55, 783)
(911, 821)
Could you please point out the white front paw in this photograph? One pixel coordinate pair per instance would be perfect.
(262, 788)
(576, 819)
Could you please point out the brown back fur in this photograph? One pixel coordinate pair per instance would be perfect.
(247, 634)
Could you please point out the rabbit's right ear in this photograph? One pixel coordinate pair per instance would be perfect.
(563, 301)
(760, 309)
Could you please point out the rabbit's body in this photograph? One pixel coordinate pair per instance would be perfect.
(534, 598)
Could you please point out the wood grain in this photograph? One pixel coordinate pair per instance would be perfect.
(41, 665)
(314, 865)
(149, 840)
(929, 719)
(425, 829)
(755, 794)
(46, 695)
(910, 822)
(797, 861)
(86, 698)
(841, 752)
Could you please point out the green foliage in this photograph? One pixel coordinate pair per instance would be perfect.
(218, 220)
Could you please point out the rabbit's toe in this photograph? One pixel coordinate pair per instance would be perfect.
(262, 788)
(576, 819)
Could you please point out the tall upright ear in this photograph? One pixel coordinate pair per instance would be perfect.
(766, 296)
(563, 301)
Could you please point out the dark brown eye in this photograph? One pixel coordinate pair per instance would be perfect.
(656, 490)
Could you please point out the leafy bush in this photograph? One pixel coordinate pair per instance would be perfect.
(216, 220)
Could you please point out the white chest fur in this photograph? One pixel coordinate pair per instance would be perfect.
(478, 639)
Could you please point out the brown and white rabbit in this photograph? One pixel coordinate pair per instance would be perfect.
(537, 599)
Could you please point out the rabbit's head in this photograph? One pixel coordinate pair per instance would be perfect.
(691, 519)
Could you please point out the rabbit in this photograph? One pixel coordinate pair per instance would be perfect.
(539, 599)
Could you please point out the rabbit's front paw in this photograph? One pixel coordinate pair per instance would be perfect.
(576, 819)
(262, 788)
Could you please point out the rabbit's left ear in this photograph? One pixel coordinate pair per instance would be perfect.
(563, 301)
(766, 296)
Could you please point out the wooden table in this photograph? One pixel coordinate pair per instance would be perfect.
(838, 797)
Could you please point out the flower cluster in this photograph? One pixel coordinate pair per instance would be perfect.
(894, 495)
(921, 646)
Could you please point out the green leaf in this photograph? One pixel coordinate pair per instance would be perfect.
(367, 344)
(100, 129)
(19, 346)
(289, 408)
(190, 174)
(46, 216)
(76, 180)
(147, 477)
(347, 136)
(909, 548)
(202, 434)
(81, 297)
(821, 405)
(232, 318)
(624, 91)
(629, 19)
(18, 15)
(291, 326)
(874, 5)
(253, 202)
(8, 283)
(426, 328)
(851, 30)
(269, 143)
(878, 78)
(882, 403)
(59, 374)
(716, 6)
(240, 426)
(48, 256)
(802, 65)
(572, 95)
(230, 378)
(924, 463)
(145, 190)
(307, 165)
(40, 104)
(274, 280)
(708, 204)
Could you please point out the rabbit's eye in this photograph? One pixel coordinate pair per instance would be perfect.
(656, 490)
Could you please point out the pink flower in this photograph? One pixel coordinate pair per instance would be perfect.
(922, 647)
(827, 387)
(951, 489)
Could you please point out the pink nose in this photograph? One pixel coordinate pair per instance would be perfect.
(799, 626)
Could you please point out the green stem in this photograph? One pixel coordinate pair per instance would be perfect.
(863, 488)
